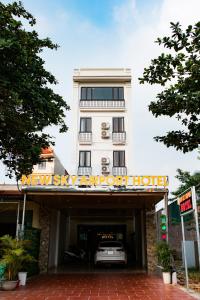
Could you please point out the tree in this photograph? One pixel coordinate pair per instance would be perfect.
(180, 98)
(27, 103)
(187, 180)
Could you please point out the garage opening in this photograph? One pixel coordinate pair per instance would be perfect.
(82, 232)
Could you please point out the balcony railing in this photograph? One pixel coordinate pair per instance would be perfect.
(119, 171)
(84, 171)
(119, 138)
(105, 104)
(85, 138)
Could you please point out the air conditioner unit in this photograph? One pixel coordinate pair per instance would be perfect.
(105, 125)
(105, 161)
(105, 134)
(105, 170)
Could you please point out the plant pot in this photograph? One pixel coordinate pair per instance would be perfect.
(22, 278)
(9, 285)
(166, 277)
(174, 278)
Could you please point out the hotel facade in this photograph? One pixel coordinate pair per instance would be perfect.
(100, 199)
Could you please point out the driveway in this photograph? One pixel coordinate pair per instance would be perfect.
(96, 286)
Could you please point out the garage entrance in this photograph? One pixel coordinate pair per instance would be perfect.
(89, 228)
(82, 230)
(75, 221)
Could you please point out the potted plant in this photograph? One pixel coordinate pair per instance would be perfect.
(14, 254)
(163, 253)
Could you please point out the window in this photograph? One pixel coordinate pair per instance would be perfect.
(42, 165)
(84, 158)
(118, 124)
(102, 93)
(118, 158)
(86, 125)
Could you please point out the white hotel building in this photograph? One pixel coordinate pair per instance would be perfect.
(103, 110)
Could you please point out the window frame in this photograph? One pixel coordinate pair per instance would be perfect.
(93, 87)
(85, 118)
(118, 131)
(119, 166)
(84, 151)
(41, 166)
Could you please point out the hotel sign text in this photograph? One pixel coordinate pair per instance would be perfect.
(73, 180)
(185, 202)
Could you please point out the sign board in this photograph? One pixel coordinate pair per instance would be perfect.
(185, 202)
(188, 205)
(110, 180)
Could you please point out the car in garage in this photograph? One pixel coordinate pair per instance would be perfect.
(111, 252)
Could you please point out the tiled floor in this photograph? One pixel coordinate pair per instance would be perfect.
(102, 286)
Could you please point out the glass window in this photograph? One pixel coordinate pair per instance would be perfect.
(83, 93)
(84, 159)
(102, 93)
(118, 158)
(115, 93)
(118, 124)
(86, 125)
(121, 93)
(89, 94)
(42, 165)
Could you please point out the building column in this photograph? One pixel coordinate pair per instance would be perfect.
(143, 241)
(151, 241)
(44, 239)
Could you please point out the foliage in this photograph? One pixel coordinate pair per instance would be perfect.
(181, 99)
(2, 271)
(187, 180)
(194, 275)
(33, 234)
(27, 103)
(14, 255)
(163, 253)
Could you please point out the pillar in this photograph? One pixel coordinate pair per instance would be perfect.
(151, 241)
(44, 218)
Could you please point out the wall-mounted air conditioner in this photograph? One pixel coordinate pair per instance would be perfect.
(105, 125)
(105, 161)
(105, 134)
(105, 170)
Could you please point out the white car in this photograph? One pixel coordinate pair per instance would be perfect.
(110, 252)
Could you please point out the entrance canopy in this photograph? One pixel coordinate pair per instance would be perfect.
(64, 197)
(58, 197)
(84, 200)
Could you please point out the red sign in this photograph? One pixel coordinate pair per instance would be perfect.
(185, 202)
(186, 205)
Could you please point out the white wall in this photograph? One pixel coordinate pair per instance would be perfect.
(48, 170)
(53, 166)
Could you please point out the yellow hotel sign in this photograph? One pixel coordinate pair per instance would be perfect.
(72, 180)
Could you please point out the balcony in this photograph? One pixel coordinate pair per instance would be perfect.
(84, 171)
(119, 138)
(102, 105)
(119, 171)
(85, 138)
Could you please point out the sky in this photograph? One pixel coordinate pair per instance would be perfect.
(115, 33)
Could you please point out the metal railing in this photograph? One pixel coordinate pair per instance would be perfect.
(119, 171)
(84, 171)
(102, 104)
(85, 138)
(119, 138)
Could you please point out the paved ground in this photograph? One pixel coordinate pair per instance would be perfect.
(102, 286)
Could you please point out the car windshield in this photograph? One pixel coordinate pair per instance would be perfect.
(110, 244)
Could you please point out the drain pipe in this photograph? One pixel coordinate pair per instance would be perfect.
(23, 215)
(17, 222)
